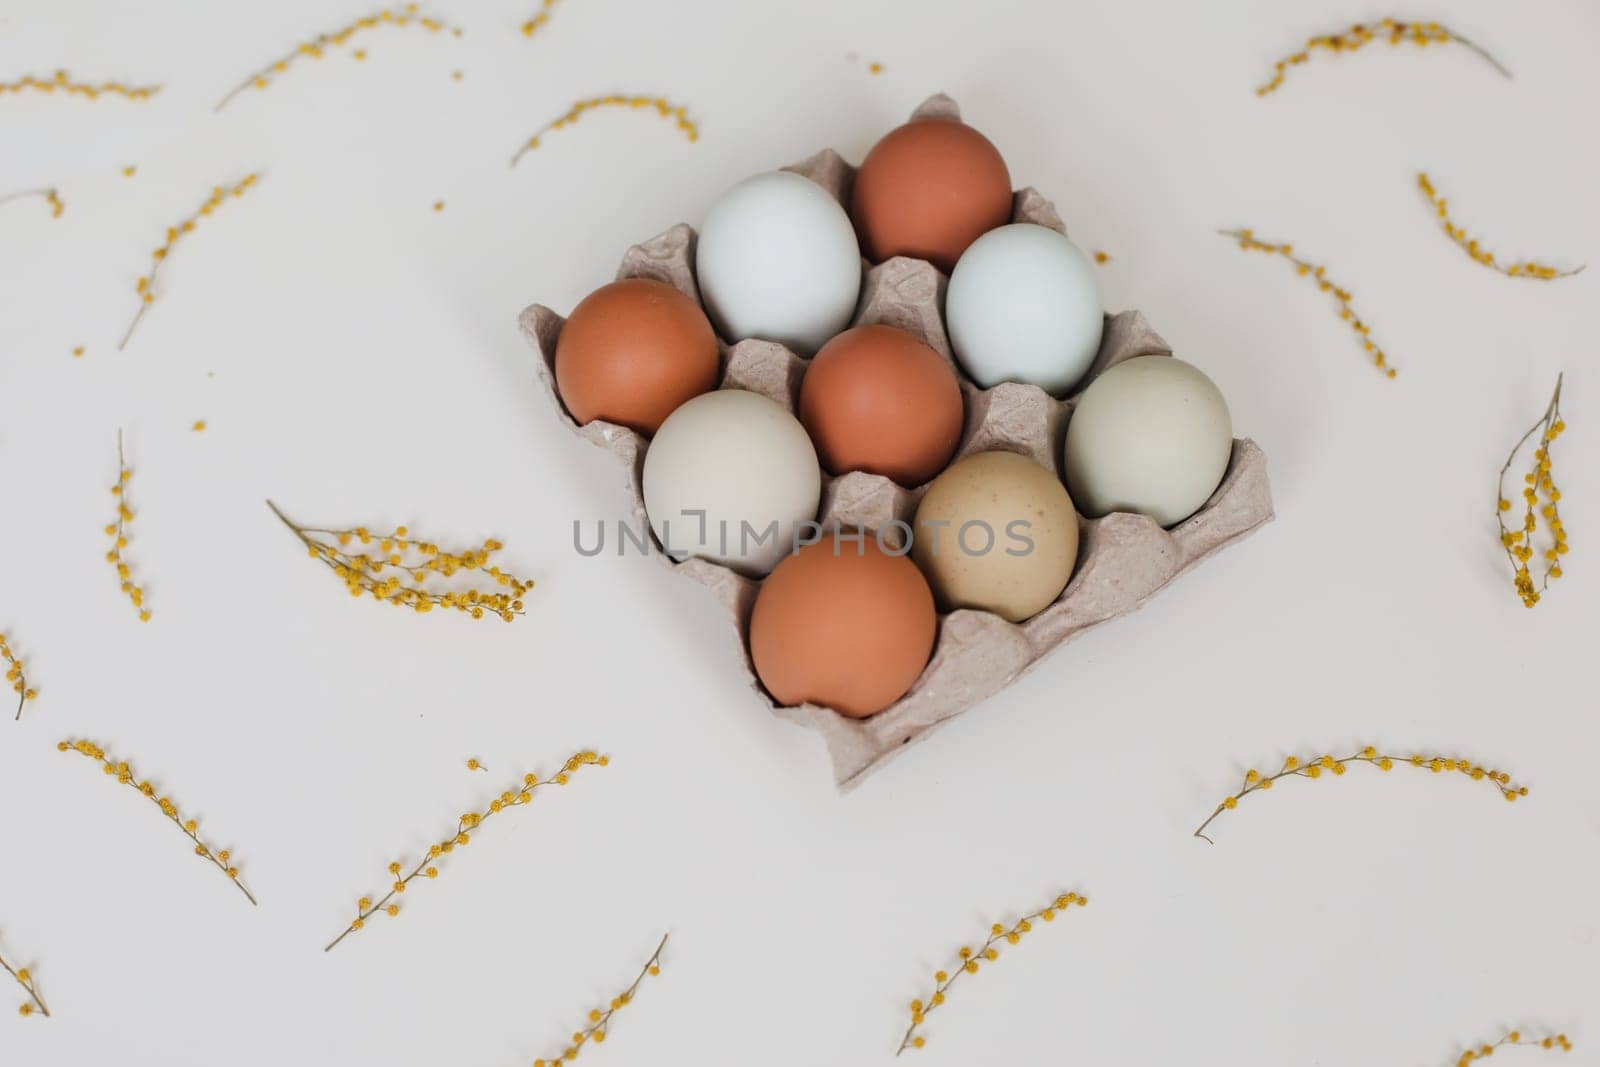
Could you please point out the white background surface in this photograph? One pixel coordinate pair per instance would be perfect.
(357, 358)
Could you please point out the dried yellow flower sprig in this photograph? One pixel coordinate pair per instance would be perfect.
(146, 286)
(16, 675)
(50, 195)
(61, 82)
(221, 859)
(34, 1003)
(1483, 1052)
(1518, 544)
(519, 795)
(972, 959)
(319, 45)
(539, 18)
(1360, 35)
(1470, 245)
(118, 532)
(1248, 241)
(660, 105)
(410, 561)
(599, 1023)
(1314, 767)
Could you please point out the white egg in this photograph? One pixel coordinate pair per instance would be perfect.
(1151, 435)
(727, 477)
(777, 259)
(1024, 305)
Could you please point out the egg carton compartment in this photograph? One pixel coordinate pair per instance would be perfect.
(1123, 559)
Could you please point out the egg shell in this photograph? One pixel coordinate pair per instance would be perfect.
(778, 260)
(632, 352)
(996, 531)
(1151, 435)
(879, 400)
(927, 190)
(842, 624)
(745, 463)
(1024, 305)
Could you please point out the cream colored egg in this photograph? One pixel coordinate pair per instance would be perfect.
(728, 478)
(1151, 435)
(996, 532)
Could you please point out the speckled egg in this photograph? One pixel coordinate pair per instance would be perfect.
(997, 532)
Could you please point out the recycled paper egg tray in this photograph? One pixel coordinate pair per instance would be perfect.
(1123, 559)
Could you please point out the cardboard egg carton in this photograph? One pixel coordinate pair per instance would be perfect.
(1123, 559)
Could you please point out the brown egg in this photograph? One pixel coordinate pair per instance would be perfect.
(877, 399)
(843, 625)
(996, 532)
(928, 190)
(633, 351)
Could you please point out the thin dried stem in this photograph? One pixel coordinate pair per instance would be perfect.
(661, 105)
(124, 774)
(16, 674)
(1360, 35)
(1483, 54)
(138, 317)
(318, 45)
(1347, 312)
(1480, 1052)
(50, 194)
(118, 532)
(971, 962)
(1479, 254)
(25, 979)
(146, 286)
(538, 18)
(398, 571)
(1518, 544)
(521, 795)
(61, 82)
(1255, 781)
(599, 1024)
